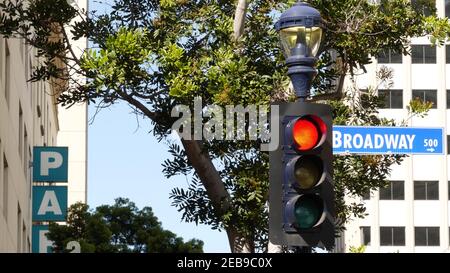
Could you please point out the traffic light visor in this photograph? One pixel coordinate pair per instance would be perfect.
(308, 132)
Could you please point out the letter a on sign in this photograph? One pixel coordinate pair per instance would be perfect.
(49, 203)
(50, 164)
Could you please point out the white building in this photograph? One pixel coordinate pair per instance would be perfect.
(29, 116)
(73, 133)
(412, 214)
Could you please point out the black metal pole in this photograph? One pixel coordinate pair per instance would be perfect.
(302, 249)
(301, 70)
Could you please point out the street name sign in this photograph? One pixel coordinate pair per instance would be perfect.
(387, 140)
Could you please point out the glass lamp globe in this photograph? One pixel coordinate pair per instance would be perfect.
(300, 41)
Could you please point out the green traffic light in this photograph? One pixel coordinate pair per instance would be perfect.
(308, 210)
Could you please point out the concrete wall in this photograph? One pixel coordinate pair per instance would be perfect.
(37, 125)
(73, 133)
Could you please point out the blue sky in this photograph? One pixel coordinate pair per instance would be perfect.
(124, 160)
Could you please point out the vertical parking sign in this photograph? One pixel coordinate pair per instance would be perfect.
(50, 164)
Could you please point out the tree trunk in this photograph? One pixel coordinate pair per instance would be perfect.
(208, 174)
(215, 189)
(239, 18)
(210, 178)
(238, 244)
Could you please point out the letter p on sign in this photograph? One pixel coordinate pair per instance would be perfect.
(50, 164)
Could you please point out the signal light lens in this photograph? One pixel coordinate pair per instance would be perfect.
(308, 210)
(307, 132)
(308, 171)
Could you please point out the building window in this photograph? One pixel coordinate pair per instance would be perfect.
(426, 236)
(424, 10)
(365, 235)
(1, 59)
(393, 98)
(24, 237)
(392, 236)
(448, 99)
(48, 129)
(38, 99)
(426, 190)
(388, 56)
(448, 145)
(1, 174)
(21, 48)
(7, 72)
(393, 191)
(366, 195)
(447, 54)
(5, 187)
(29, 68)
(423, 54)
(19, 228)
(20, 138)
(426, 96)
(25, 151)
(448, 187)
(27, 72)
(447, 8)
(29, 173)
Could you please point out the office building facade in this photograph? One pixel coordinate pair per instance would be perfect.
(412, 213)
(29, 117)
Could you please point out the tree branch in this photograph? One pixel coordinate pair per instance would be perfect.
(69, 45)
(137, 104)
(342, 67)
(337, 95)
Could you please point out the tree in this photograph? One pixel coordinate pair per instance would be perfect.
(156, 54)
(359, 249)
(121, 227)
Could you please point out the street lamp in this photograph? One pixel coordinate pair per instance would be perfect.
(300, 35)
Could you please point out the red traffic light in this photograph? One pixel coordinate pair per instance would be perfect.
(308, 132)
(301, 195)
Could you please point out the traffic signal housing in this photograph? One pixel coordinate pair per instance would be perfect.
(301, 201)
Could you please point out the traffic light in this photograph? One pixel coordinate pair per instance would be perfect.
(301, 202)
